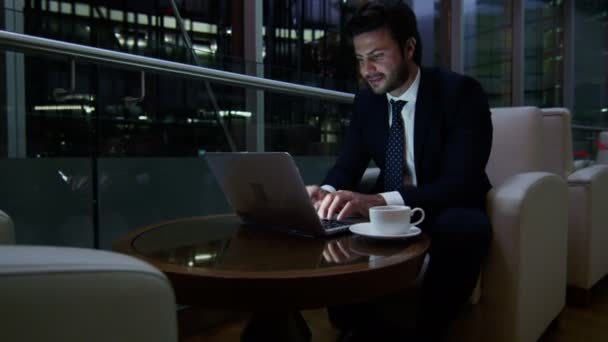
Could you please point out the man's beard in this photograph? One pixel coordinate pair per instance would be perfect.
(394, 81)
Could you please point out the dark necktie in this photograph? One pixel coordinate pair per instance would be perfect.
(395, 147)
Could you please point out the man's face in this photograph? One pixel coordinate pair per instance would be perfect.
(381, 63)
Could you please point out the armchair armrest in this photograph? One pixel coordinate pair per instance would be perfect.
(524, 278)
(74, 294)
(589, 175)
(7, 229)
(587, 230)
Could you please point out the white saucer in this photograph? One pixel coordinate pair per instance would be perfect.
(365, 229)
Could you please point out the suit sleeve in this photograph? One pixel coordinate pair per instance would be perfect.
(354, 155)
(468, 139)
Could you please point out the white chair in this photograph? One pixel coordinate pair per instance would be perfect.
(523, 280)
(75, 294)
(523, 285)
(588, 195)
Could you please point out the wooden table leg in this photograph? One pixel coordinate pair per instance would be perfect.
(276, 326)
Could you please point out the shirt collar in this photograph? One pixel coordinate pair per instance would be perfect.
(411, 93)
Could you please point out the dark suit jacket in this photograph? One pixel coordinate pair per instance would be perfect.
(452, 141)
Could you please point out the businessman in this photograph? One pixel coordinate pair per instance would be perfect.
(429, 131)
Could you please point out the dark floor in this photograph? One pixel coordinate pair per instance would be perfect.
(575, 324)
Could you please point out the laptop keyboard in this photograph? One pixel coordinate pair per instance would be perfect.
(332, 224)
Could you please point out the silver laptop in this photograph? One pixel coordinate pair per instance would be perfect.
(265, 188)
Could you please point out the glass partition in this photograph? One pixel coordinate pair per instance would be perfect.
(487, 47)
(102, 157)
(590, 112)
(310, 53)
(544, 53)
(433, 29)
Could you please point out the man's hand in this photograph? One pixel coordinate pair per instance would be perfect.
(337, 252)
(316, 195)
(348, 204)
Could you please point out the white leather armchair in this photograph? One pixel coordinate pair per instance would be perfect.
(75, 294)
(523, 283)
(588, 195)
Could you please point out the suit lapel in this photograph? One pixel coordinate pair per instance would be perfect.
(423, 117)
(379, 125)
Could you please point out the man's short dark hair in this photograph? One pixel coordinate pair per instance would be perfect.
(396, 16)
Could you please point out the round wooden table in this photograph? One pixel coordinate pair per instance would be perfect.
(217, 262)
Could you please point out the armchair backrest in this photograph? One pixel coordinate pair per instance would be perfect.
(557, 141)
(516, 142)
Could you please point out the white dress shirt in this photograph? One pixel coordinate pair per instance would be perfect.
(408, 114)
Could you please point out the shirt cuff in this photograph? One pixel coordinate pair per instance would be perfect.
(328, 188)
(392, 198)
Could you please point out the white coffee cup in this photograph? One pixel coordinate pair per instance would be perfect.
(393, 219)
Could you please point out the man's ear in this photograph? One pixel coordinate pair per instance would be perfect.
(409, 47)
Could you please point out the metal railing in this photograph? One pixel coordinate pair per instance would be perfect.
(23, 42)
(589, 128)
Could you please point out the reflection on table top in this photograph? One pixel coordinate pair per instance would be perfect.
(223, 243)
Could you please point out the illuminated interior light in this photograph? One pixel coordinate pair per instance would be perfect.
(203, 257)
(142, 19)
(116, 15)
(308, 35)
(66, 8)
(198, 26)
(199, 48)
(169, 22)
(63, 176)
(234, 113)
(87, 109)
(82, 10)
(54, 6)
